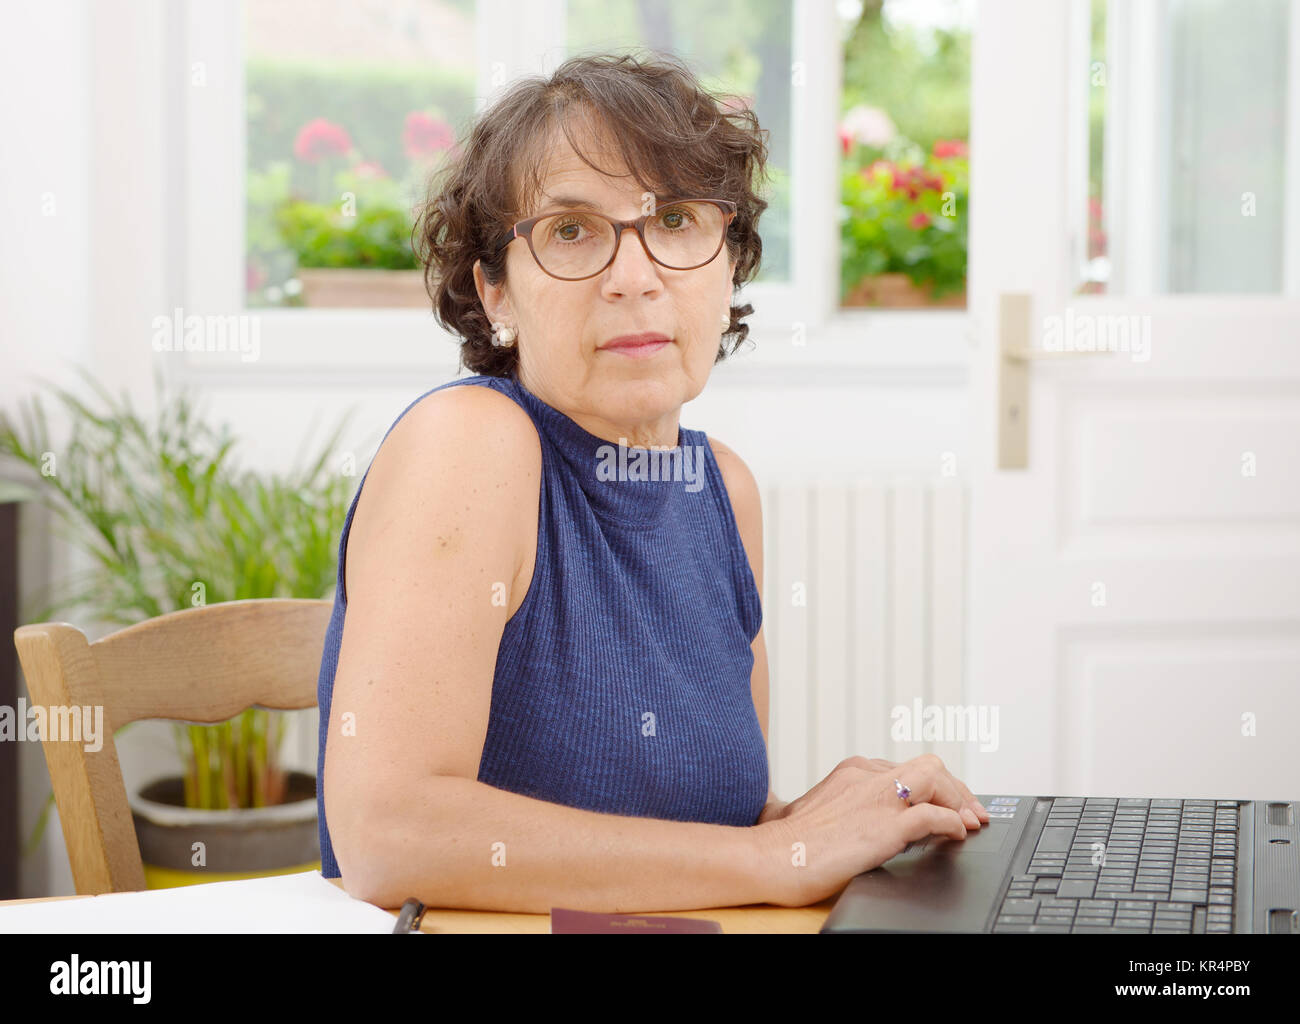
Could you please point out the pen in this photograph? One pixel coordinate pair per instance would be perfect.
(409, 918)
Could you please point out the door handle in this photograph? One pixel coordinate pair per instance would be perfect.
(1026, 355)
(1015, 355)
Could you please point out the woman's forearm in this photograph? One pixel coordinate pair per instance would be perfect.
(463, 844)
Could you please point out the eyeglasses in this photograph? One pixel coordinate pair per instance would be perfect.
(573, 245)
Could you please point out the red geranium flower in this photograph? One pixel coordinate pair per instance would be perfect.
(425, 135)
(947, 148)
(915, 180)
(369, 169)
(920, 219)
(320, 138)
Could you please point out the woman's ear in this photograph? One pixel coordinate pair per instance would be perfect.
(492, 296)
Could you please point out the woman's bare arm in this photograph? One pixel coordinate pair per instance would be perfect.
(742, 490)
(460, 843)
(443, 530)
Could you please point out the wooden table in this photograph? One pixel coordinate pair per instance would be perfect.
(757, 919)
(760, 918)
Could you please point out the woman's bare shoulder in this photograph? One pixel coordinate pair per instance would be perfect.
(465, 429)
(468, 414)
(460, 459)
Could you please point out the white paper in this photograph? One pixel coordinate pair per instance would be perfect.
(302, 903)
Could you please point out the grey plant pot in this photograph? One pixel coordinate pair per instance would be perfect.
(244, 841)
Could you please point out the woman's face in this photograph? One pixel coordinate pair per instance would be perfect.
(561, 326)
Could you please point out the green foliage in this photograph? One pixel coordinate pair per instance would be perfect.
(923, 85)
(908, 217)
(904, 209)
(293, 206)
(369, 101)
(169, 521)
(321, 236)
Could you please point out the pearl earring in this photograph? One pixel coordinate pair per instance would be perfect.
(726, 319)
(502, 336)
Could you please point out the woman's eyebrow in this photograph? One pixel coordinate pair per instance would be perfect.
(569, 202)
(574, 202)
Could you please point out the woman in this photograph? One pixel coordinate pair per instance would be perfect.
(544, 682)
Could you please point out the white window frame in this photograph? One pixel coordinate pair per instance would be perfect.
(798, 327)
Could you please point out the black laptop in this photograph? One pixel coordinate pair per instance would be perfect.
(1085, 865)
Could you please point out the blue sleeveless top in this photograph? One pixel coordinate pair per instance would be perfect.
(622, 682)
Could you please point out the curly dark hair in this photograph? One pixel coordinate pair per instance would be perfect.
(674, 137)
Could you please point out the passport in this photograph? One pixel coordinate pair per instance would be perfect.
(581, 922)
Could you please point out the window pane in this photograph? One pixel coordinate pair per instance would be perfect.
(904, 132)
(351, 104)
(739, 47)
(1190, 119)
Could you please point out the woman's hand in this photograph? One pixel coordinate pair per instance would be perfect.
(853, 821)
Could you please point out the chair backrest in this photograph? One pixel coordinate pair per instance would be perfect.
(197, 665)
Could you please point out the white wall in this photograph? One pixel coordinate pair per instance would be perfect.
(44, 294)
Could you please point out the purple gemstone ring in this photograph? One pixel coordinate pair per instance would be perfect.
(903, 792)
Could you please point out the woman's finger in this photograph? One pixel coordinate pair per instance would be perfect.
(931, 785)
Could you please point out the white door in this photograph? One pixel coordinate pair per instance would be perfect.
(1135, 524)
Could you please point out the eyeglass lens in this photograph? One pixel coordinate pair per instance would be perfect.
(577, 244)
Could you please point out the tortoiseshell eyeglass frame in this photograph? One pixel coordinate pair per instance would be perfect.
(524, 229)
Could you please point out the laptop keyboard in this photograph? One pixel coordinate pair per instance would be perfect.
(1128, 865)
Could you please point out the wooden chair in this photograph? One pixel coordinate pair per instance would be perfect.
(197, 665)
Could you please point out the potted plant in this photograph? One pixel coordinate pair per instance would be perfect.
(351, 237)
(903, 228)
(169, 521)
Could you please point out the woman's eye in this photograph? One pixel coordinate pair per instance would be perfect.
(569, 231)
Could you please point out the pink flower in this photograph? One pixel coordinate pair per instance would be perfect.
(254, 277)
(846, 141)
(736, 104)
(868, 125)
(320, 138)
(369, 169)
(915, 180)
(945, 149)
(919, 220)
(425, 135)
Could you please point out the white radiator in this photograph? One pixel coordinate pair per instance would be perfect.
(863, 612)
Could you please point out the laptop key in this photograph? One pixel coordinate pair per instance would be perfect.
(1055, 840)
(1076, 889)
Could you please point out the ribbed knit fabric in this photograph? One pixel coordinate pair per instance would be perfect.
(622, 682)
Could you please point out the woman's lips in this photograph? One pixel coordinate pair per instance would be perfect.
(636, 350)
